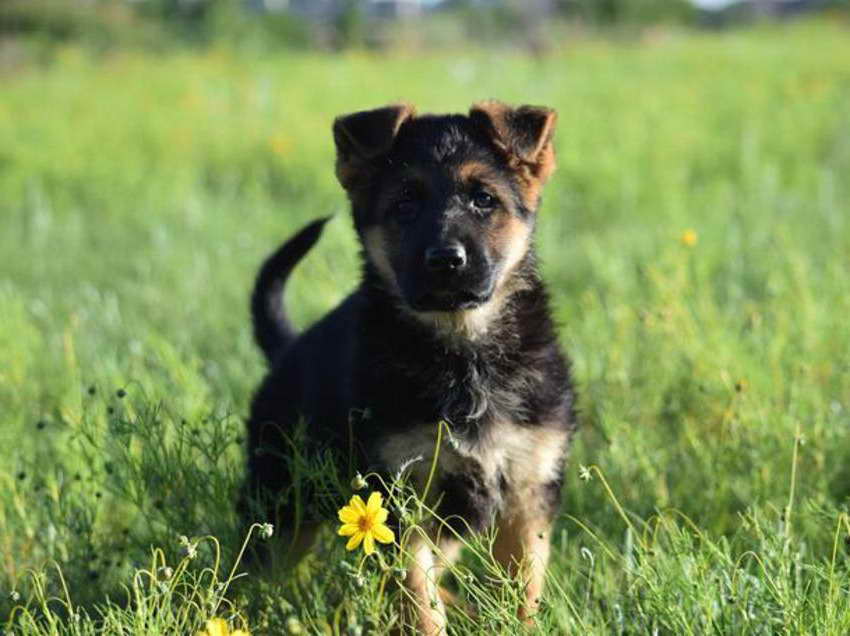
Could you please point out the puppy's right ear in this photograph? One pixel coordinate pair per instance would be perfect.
(363, 137)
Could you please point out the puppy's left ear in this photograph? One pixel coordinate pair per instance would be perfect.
(525, 133)
(363, 137)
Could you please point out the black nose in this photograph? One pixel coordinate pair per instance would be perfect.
(445, 257)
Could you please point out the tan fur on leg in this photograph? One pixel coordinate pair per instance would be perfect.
(522, 547)
(448, 552)
(423, 578)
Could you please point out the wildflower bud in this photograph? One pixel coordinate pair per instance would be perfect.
(165, 573)
(14, 596)
(266, 531)
(293, 626)
(584, 473)
(400, 573)
(358, 482)
(189, 549)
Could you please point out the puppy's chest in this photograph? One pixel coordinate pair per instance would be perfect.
(504, 459)
(468, 388)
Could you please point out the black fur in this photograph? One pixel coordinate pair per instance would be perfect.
(272, 328)
(370, 356)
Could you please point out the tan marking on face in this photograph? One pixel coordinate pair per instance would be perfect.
(374, 242)
(511, 238)
(476, 172)
(471, 170)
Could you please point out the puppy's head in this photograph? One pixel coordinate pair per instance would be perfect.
(445, 204)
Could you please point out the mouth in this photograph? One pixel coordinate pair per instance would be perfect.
(449, 301)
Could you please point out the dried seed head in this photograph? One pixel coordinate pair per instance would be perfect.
(190, 549)
(358, 482)
(266, 531)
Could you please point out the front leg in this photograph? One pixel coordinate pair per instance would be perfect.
(423, 578)
(522, 547)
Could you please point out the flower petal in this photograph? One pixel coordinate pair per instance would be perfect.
(358, 505)
(374, 504)
(381, 516)
(347, 529)
(383, 534)
(355, 540)
(217, 627)
(347, 514)
(368, 543)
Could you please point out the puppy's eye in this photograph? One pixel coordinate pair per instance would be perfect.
(483, 200)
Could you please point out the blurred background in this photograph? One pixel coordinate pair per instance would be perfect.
(695, 239)
(335, 25)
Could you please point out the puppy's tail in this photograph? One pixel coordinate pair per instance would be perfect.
(272, 329)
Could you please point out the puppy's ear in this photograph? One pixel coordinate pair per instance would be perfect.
(365, 136)
(525, 133)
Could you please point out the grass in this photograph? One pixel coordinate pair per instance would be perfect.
(138, 194)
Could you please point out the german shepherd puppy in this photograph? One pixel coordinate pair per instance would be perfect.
(450, 323)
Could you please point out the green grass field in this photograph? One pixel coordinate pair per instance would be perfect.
(139, 193)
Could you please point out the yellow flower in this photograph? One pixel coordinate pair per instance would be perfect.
(218, 627)
(365, 523)
(689, 238)
(281, 144)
